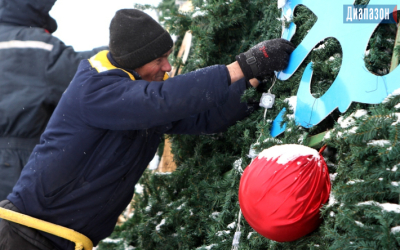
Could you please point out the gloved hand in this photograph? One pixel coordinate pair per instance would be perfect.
(265, 58)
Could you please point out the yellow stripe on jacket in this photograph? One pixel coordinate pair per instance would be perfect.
(101, 63)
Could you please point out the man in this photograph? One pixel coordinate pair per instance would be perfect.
(110, 120)
(35, 69)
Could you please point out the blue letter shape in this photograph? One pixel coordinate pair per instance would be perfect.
(354, 83)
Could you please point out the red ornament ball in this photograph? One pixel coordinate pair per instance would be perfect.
(282, 190)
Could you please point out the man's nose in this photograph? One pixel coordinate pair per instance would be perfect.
(166, 67)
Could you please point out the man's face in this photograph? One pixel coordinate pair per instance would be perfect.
(155, 70)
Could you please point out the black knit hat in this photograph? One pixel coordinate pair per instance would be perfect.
(136, 38)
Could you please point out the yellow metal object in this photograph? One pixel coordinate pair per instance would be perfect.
(80, 240)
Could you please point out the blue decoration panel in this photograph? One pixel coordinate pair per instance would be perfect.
(354, 83)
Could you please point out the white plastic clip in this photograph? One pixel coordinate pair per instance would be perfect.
(267, 100)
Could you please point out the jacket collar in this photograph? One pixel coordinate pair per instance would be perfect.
(113, 62)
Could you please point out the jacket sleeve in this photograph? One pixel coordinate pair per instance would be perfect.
(118, 103)
(62, 64)
(216, 119)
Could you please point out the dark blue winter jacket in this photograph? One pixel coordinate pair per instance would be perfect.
(104, 132)
(35, 69)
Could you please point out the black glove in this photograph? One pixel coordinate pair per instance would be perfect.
(265, 58)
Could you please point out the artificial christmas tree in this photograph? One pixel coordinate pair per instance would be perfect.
(196, 206)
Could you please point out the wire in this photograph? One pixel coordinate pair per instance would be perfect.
(236, 237)
(273, 83)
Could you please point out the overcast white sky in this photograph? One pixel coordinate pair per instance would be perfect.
(84, 24)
